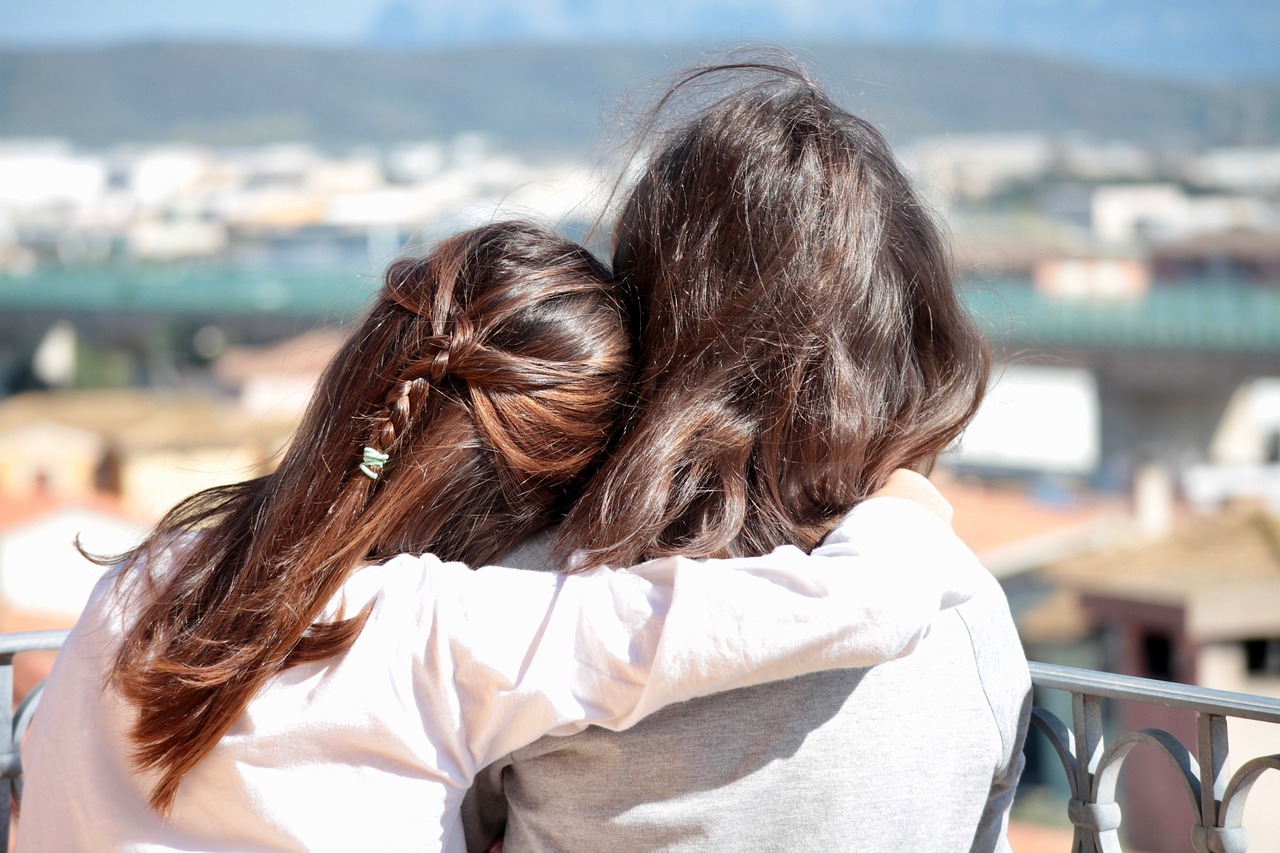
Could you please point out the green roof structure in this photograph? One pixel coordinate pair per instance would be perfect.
(181, 290)
(1205, 317)
(1210, 317)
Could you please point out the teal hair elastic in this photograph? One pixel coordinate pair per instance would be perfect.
(371, 463)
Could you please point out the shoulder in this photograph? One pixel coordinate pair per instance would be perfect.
(998, 655)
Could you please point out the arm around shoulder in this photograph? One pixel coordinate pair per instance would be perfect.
(530, 653)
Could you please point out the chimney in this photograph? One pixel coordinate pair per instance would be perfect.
(1153, 500)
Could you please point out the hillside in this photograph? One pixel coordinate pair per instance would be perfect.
(556, 98)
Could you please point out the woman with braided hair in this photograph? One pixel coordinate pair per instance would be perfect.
(293, 662)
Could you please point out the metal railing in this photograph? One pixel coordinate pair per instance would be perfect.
(14, 721)
(1092, 766)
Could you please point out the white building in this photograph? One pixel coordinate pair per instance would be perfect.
(1239, 169)
(1036, 419)
(1125, 213)
(36, 175)
(976, 165)
(44, 579)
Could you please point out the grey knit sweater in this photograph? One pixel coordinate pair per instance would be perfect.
(920, 754)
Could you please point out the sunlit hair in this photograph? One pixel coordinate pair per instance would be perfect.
(490, 375)
(800, 334)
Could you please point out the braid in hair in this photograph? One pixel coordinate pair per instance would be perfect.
(458, 418)
(394, 419)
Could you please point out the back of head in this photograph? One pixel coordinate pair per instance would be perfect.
(490, 374)
(457, 419)
(800, 339)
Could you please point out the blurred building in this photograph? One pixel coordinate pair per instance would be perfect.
(1036, 418)
(1128, 213)
(1096, 385)
(959, 166)
(43, 176)
(147, 450)
(44, 579)
(181, 202)
(1194, 600)
(278, 379)
(1246, 257)
(1094, 276)
(1245, 169)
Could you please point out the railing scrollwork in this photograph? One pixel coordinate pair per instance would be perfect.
(1093, 768)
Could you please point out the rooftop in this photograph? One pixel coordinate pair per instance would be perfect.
(1200, 316)
(191, 290)
(1203, 317)
(1012, 531)
(142, 419)
(1223, 569)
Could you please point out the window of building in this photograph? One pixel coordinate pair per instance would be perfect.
(1157, 655)
(1272, 450)
(1262, 656)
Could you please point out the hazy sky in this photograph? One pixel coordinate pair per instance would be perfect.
(1169, 37)
(61, 21)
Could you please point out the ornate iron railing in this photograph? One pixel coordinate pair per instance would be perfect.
(1091, 764)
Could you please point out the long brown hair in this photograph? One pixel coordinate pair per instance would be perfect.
(490, 374)
(800, 333)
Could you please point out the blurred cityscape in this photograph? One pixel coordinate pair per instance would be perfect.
(165, 308)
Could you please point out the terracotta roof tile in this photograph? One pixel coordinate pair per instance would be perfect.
(1012, 531)
(1233, 545)
(18, 511)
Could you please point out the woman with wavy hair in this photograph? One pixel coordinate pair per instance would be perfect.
(287, 664)
(800, 339)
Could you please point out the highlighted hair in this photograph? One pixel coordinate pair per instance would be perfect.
(801, 336)
(483, 384)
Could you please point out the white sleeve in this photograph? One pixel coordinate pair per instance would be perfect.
(518, 654)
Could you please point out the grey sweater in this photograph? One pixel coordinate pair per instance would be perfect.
(920, 754)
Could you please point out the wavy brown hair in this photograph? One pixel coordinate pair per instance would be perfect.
(800, 333)
(491, 374)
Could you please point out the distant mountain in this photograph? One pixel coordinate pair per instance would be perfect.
(1185, 39)
(554, 98)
